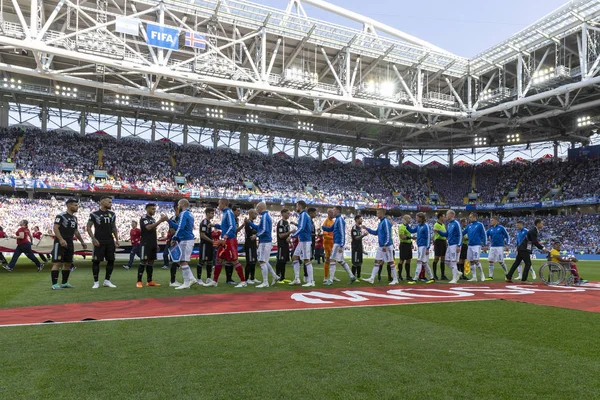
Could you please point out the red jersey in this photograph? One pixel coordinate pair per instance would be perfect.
(169, 236)
(26, 238)
(37, 235)
(135, 235)
(3, 235)
(319, 242)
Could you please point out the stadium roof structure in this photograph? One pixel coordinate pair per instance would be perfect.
(237, 66)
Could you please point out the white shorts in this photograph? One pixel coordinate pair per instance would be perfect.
(422, 255)
(387, 256)
(451, 254)
(473, 253)
(336, 254)
(264, 252)
(186, 247)
(303, 250)
(496, 254)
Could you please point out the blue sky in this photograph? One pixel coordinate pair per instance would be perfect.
(463, 27)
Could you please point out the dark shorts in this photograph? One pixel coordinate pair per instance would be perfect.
(251, 253)
(357, 256)
(283, 252)
(440, 247)
(106, 251)
(149, 251)
(406, 252)
(206, 252)
(463, 251)
(63, 254)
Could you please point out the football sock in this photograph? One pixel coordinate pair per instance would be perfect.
(218, 269)
(110, 265)
(309, 270)
(96, 270)
(65, 275)
(173, 271)
(149, 272)
(240, 272)
(229, 272)
(296, 264)
(141, 269)
(54, 276)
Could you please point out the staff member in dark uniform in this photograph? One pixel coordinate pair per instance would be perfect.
(357, 246)
(104, 222)
(440, 245)
(463, 250)
(524, 251)
(250, 248)
(283, 245)
(406, 247)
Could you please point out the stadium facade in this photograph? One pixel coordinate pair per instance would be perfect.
(235, 74)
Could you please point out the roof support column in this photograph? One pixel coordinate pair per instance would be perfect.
(500, 155)
(4, 108)
(44, 117)
(296, 147)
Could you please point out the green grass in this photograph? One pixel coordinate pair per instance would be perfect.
(29, 288)
(485, 350)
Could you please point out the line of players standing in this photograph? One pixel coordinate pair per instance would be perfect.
(453, 243)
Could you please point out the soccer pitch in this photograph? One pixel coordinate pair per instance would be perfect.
(480, 349)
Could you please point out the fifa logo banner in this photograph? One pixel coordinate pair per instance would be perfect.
(162, 36)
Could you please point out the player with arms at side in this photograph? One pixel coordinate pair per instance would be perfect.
(303, 251)
(184, 235)
(476, 234)
(357, 248)
(339, 241)
(499, 240)
(149, 242)
(104, 222)
(65, 226)
(454, 237)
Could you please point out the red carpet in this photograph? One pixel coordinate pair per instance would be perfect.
(586, 298)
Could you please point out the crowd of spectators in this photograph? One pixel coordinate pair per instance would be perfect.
(452, 184)
(57, 158)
